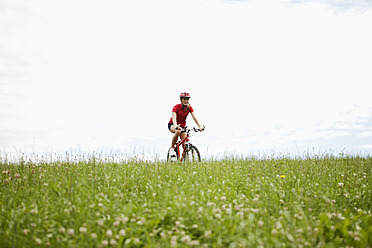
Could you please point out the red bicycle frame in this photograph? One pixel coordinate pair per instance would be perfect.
(179, 143)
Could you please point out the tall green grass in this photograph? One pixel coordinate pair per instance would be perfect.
(315, 202)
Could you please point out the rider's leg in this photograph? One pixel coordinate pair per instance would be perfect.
(183, 136)
(177, 133)
(175, 138)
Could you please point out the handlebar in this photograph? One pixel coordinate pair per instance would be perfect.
(198, 130)
(185, 129)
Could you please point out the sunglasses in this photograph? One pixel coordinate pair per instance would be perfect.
(185, 98)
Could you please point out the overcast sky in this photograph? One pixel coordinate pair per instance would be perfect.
(264, 76)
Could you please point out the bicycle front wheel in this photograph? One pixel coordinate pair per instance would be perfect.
(192, 155)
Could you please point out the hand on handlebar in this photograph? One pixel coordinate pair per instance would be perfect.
(200, 129)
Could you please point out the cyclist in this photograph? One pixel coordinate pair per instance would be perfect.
(178, 120)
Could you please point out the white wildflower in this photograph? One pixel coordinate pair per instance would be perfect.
(70, 231)
(113, 242)
(173, 242)
(109, 233)
(340, 216)
(194, 243)
(33, 211)
(208, 233)
(217, 211)
(185, 239)
(228, 211)
(122, 232)
(38, 241)
(278, 225)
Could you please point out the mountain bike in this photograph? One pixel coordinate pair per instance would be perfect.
(190, 152)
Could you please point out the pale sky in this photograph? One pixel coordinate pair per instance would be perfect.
(265, 76)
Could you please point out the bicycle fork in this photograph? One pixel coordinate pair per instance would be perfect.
(185, 151)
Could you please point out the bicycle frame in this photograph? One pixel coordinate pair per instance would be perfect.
(183, 142)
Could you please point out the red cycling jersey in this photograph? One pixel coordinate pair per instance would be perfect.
(181, 114)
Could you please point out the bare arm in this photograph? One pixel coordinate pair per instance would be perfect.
(174, 118)
(196, 120)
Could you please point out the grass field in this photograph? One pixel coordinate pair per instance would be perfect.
(316, 202)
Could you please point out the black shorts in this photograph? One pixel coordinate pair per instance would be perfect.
(170, 125)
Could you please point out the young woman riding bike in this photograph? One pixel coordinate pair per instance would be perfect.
(178, 120)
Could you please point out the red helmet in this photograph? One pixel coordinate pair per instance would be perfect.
(185, 95)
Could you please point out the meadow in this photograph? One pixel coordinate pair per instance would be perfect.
(235, 202)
